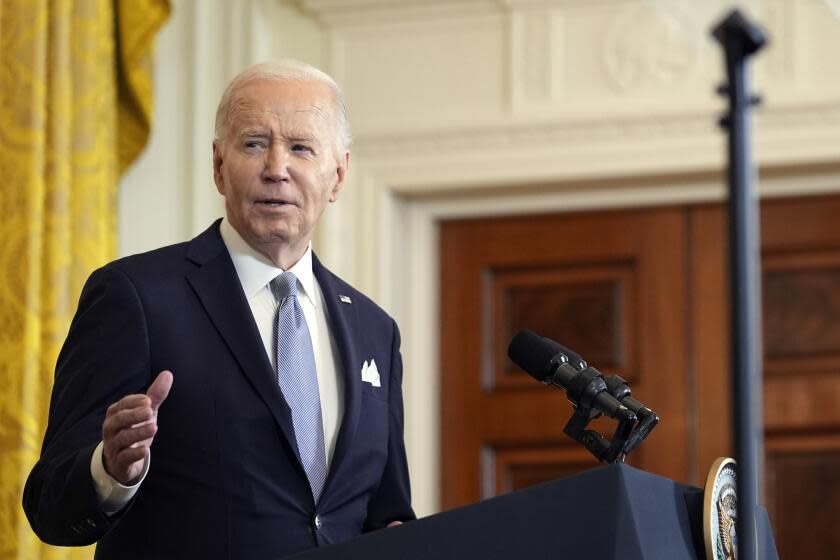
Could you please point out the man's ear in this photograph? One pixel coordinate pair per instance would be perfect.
(341, 174)
(217, 166)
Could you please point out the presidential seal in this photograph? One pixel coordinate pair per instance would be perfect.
(720, 510)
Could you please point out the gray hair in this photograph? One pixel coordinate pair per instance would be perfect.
(286, 70)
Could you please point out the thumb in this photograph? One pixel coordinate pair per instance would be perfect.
(160, 389)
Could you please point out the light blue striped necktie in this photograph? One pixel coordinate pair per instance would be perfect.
(299, 381)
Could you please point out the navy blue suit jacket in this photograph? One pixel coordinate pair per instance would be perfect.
(225, 479)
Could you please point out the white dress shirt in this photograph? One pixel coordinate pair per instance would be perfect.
(255, 272)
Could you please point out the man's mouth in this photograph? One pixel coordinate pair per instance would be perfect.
(275, 202)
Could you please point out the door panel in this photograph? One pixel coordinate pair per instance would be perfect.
(605, 285)
(801, 349)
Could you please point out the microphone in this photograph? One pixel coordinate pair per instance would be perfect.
(619, 389)
(617, 386)
(544, 360)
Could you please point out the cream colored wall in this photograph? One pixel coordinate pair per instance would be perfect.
(458, 104)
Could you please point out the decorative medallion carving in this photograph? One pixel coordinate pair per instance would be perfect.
(651, 47)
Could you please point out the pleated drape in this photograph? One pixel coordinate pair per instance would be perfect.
(75, 111)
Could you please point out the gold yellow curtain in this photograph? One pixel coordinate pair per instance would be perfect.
(75, 110)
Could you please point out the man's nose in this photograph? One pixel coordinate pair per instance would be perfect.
(276, 164)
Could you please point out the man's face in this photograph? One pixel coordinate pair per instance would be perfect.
(278, 164)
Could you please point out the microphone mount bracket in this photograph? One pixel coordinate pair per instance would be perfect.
(601, 448)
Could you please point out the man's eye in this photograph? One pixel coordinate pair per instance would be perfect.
(301, 148)
(253, 144)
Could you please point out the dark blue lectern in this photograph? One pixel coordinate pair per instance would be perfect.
(614, 511)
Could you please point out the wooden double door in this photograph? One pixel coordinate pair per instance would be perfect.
(643, 293)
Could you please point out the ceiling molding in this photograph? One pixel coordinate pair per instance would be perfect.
(687, 134)
(355, 12)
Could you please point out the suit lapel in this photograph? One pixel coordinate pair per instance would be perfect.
(344, 321)
(218, 287)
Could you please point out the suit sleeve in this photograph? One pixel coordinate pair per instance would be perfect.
(392, 499)
(105, 357)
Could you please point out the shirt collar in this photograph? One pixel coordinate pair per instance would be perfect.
(255, 270)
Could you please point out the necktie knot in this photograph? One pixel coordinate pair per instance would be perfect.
(284, 285)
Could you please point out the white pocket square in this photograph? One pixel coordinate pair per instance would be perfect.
(370, 374)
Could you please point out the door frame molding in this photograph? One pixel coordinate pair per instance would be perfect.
(398, 261)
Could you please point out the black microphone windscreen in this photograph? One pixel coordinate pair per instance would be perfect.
(532, 353)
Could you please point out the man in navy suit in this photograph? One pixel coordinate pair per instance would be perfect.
(170, 434)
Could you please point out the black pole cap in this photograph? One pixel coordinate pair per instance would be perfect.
(737, 28)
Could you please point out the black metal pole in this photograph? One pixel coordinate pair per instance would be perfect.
(740, 40)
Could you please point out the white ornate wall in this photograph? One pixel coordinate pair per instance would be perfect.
(483, 107)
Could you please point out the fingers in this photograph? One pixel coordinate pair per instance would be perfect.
(129, 428)
(132, 455)
(115, 422)
(126, 465)
(135, 436)
(159, 389)
(129, 402)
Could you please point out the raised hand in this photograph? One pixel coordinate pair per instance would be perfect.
(129, 428)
